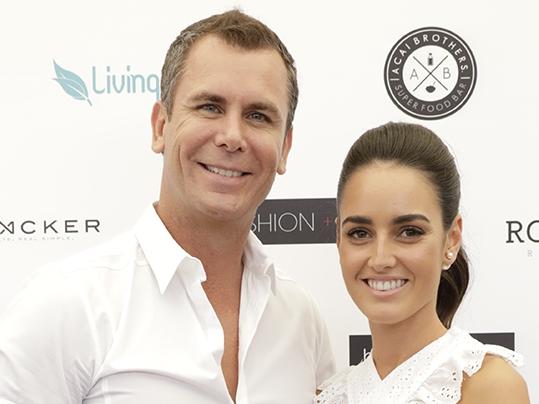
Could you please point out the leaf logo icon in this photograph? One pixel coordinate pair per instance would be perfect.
(71, 83)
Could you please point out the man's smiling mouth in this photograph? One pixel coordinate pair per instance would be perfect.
(223, 171)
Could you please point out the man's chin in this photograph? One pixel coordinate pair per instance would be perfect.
(227, 210)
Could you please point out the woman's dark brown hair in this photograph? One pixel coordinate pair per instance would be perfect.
(417, 147)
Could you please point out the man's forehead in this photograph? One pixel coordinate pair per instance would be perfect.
(216, 43)
(224, 41)
(214, 68)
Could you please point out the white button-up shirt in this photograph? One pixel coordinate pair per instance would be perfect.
(129, 323)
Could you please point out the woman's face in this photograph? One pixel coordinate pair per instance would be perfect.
(392, 243)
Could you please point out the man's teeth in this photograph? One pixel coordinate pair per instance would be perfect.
(222, 171)
(386, 285)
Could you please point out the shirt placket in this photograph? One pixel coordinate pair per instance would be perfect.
(193, 276)
(255, 291)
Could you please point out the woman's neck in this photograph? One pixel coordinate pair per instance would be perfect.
(393, 344)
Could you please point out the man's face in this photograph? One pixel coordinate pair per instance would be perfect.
(226, 137)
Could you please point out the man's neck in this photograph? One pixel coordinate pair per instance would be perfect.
(218, 245)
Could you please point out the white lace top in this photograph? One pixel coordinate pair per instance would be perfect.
(432, 376)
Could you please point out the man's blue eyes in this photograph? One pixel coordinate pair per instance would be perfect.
(256, 116)
(209, 108)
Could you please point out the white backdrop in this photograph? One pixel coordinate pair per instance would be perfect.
(63, 159)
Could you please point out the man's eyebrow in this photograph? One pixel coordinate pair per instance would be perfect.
(205, 96)
(357, 220)
(265, 106)
(410, 218)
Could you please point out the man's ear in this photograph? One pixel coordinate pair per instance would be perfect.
(159, 119)
(287, 144)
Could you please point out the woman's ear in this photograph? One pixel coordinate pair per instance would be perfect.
(453, 242)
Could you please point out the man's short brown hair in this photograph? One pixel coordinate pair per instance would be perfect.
(236, 29)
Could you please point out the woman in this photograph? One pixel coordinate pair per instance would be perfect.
(399, 241)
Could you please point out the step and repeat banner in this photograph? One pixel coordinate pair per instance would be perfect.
(79, 80)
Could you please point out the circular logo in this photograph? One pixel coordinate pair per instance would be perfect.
(430, 73)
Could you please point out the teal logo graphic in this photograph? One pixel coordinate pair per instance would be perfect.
(71, 83)
(105, 81)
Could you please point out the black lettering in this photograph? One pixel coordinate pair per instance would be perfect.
(511, 231)
(529, 231)
(10, 228)
(23, 224)
(69, 225)
(46, 226)
(92, 224)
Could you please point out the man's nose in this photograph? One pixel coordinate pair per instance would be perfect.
(231, 135)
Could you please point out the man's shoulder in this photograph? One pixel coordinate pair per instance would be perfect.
(284, 281)
(292, 291)
(284, 286)
(112, 255)
(102, 267)
(77, 282)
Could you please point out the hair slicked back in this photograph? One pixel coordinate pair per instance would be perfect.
(415, 146)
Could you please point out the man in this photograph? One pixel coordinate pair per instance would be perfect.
(187, 308)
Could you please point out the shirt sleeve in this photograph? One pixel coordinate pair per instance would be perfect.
(47, 344)
(326, 361)
(325, 366)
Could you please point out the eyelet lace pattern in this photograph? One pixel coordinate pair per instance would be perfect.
(432, 376)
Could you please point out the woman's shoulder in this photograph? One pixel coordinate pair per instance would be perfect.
(495, 382)
(462, 361)
(471, 353)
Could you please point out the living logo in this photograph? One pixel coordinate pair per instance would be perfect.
(105, 81)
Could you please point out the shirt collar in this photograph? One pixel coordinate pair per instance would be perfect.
(164, 255)
(256, 261)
